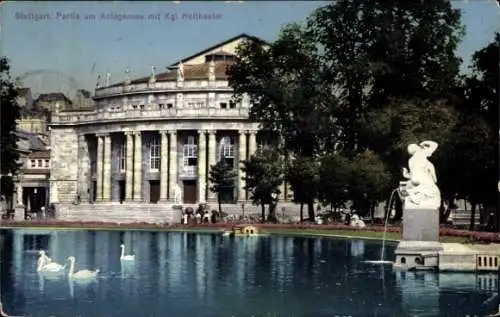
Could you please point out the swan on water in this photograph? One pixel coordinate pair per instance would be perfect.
(124, 257)
(83, 274)
(45, 264)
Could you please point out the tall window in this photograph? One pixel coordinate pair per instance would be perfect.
(190, 152)
(154, 153)
(226, 149)
(122, 154)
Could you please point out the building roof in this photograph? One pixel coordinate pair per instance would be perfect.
(196, 71)
(45, 154)
(191, 72)
(237, 37)
(34, 143)
(53, 96)
(24, 92)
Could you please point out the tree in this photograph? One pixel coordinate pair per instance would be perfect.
(377, 50)
(221, 176)
(369, 182)
(303, 177)
(10, 112)
(287, 94)
(263, 176)
(334, 178)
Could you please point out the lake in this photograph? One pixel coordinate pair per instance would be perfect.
(195, 274)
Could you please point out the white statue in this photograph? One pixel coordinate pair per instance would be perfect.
(180, 72)
(421, 189)
(177, 194)
(127, 75)
(108, 78)
(211, 71)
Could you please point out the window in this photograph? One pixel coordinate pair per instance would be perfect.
(141, 107)
(134, 106)
(190, 152)
(170, 105)
(40, 163)
(47, 164)
(223, 105)
(161, 106)
(226, 150)
(232, 105)
(154, 153)
(122, 156)
(196, 104)
(33, 163)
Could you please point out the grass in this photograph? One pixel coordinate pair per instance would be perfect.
(311, 232)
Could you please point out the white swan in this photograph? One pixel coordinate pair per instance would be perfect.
(124, 257)
(45, 264)
(83, 274)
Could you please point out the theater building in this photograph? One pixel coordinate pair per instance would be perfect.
(153, 139)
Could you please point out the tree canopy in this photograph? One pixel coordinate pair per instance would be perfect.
(10, 112)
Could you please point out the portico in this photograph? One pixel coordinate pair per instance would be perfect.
(145, 166)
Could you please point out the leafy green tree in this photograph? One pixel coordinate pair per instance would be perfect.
(302, 175)
(221, 176)
(369, 182)
(334, 179)
(10, 112)
(377, 50)
(287, 94)
(476, 168)
(263, 176)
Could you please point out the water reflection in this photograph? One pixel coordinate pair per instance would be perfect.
(209, 275)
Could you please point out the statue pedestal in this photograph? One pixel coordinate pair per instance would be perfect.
(420, 225)
(420, 246)
(19, 213)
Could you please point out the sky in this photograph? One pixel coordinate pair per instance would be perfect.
(54, 48)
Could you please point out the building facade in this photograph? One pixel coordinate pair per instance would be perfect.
(32, 181)
(153, 139)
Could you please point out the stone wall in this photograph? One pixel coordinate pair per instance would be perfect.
(64, 171)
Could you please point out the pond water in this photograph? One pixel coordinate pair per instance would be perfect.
(194, 274)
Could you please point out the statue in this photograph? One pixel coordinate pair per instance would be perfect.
(98, 81)
(421, 190)
(127, 76)
(177, 194)
(180, 72)
(108, 77)
(211, 71)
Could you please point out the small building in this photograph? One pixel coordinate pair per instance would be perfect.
(53, 101)
(32, 182)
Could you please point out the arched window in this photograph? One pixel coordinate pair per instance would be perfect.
(154, 153)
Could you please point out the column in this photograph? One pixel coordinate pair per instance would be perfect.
(202, 165)
(252, 144)
(106, 182)
(242, 146)
(99, 163)
(138, 167)
(172, 177)
(212, 158)
(83, 168)
(164, 166)
(129, 166)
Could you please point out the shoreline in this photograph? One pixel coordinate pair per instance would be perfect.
(371, 232)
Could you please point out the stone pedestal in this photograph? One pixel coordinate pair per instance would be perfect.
(420, 225)
(19, 213)
(420, 246)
